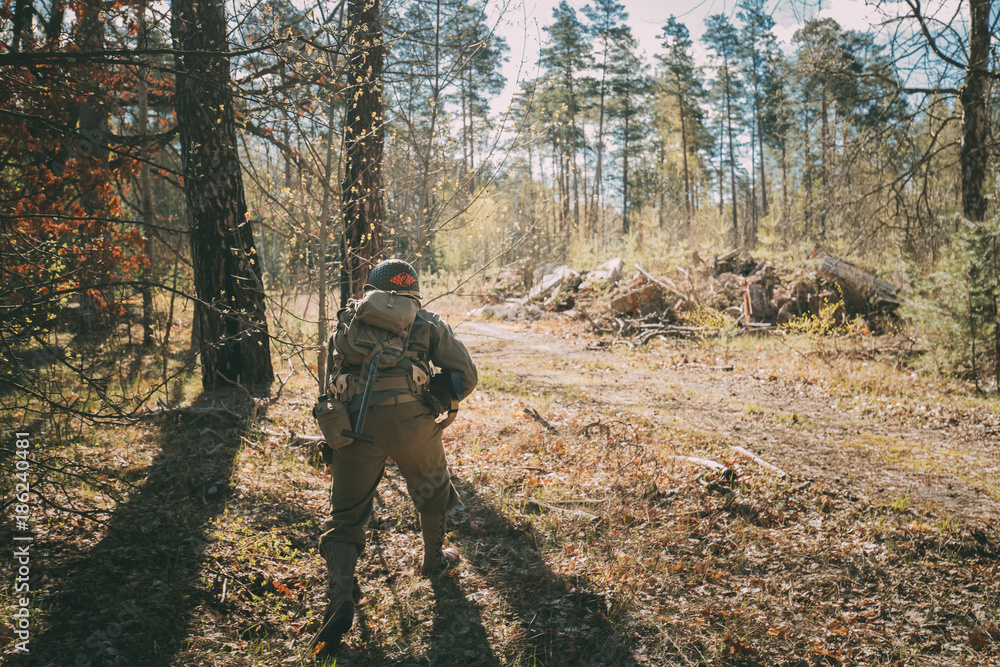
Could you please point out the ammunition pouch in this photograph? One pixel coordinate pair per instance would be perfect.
(333, 418)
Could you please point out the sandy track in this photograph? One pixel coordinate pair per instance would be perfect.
(803, 428)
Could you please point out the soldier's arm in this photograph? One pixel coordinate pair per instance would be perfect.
(448, 352)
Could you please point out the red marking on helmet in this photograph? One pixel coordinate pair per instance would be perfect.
(402, 279)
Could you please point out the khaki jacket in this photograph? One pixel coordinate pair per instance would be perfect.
(431, 341)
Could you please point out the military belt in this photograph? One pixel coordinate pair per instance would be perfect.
(398, 399)
(391, 382)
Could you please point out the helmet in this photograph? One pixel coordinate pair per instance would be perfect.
(394, 275)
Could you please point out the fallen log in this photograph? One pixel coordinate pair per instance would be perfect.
(649, 333)
(533, 414)
(757, 304)
(669, 287)
(724, 471)
(858, 287)
(759, 461)
(301, 440)
(645, 299)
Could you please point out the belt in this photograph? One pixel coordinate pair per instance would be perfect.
(385, 383)
(398, 399)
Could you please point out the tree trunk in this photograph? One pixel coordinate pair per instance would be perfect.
(93, 120)
(558, 183)
(596, 203)
(974, 153)
(684, 154)
(21, 26)
(807, 177)
(661, 167)
(364, 138)
(145, 181)
(572, 151)
(229, 313)
(824, 159)
(625, 225)
(53, 27)
(732, 161)
(784, 192)
(324, 232)
(763, 178)
(722, 176)
(472, 137)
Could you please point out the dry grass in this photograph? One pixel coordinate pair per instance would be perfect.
(590, 545)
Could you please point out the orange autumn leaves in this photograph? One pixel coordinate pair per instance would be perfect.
(63, 186)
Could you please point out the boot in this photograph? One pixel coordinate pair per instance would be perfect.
(339, 615)
(436, 557)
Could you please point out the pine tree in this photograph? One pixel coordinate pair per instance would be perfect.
(606, 26)
(481, 57)
(629, 83)
(362, 189)
(681, 79)
(723, 39)
(757, 46)
(565, 57)
(230, 318)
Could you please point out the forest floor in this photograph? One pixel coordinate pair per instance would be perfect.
(591, 532)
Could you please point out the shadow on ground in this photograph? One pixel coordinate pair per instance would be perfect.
(540, 617)
(129, 599)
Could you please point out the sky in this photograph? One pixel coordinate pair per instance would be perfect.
(522, 22)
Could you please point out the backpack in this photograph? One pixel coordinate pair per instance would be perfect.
(378, 322)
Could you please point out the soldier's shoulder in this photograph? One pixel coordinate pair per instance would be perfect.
(428, 316)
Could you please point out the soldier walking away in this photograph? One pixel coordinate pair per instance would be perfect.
(402, 407)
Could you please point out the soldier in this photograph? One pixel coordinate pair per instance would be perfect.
(404, 405)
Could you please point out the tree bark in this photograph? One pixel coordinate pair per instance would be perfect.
(625, 225)
(572, 151)
(824, 158)
(974, 153)
(596, 202)
(684, 154)
(93, 119)
(145, 180)
(763, 176)
(364, 137)
(21, 26)
(229, 313)
(732, 160)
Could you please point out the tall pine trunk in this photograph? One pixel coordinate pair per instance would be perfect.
(364, 139)
(763, 176)
(596, 202)
(229, 313)
(732, 160)
(824, 158)
(974, 152)
(93, 120)
(145, 181)
(688, 204)
(625, 223)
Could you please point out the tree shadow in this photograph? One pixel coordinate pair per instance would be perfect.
(128, 599)
(557, 619)
(544, 618)
(458, 635)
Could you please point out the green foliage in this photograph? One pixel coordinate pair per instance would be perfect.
(957, 304)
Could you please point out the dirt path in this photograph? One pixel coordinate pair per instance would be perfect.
(888, 451)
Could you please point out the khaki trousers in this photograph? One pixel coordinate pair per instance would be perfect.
(407, 433)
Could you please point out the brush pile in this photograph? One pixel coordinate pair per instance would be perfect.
(733, 287)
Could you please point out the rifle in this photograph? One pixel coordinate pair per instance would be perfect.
(357, 433)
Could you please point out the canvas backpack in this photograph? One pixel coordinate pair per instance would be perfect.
(379, 322)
